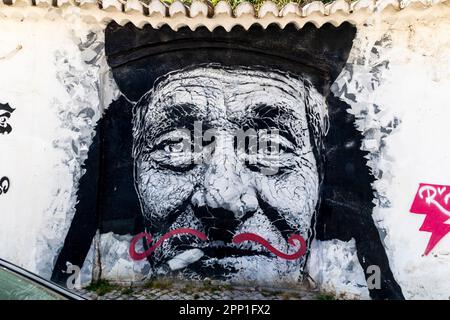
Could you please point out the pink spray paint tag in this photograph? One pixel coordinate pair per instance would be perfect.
(434, 201)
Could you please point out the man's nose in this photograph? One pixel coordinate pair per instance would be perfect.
(227, 184)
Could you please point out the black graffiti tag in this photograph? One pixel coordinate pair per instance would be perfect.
(4, 185)
(5, 114)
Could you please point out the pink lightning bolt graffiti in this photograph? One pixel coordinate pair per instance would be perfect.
(434, 201)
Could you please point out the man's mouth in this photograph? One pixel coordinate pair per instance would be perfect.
(221, 251)
(224, 251)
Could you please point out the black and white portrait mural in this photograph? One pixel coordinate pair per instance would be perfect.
(225, 156)
(275, 150)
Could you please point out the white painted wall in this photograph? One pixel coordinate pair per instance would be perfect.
(48, 82)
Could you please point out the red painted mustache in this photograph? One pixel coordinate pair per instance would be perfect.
(247, 236)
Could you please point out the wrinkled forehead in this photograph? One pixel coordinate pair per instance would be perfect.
(226, 92)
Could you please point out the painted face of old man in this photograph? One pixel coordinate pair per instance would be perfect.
(224, 186)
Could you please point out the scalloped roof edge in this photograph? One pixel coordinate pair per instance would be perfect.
(202, 13)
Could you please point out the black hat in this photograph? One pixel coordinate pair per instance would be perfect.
(139, 56)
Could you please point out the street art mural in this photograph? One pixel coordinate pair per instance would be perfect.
(235, 156)
(258, 153)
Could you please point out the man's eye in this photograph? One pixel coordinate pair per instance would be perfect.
(275, 150)
(168, 144)
(272, 156)
(174, 147)
(173, 154)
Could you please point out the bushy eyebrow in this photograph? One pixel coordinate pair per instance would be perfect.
(263, 116)
(182, 115)
(179, 116)
(176, 117)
